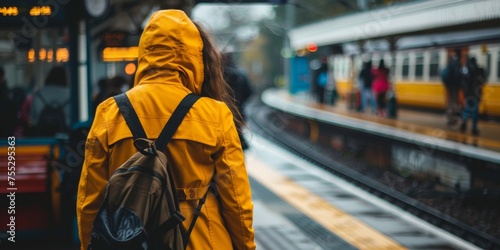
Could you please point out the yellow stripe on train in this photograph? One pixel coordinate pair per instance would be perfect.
(432, 95)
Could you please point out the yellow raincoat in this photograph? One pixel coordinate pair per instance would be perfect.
(170, 66)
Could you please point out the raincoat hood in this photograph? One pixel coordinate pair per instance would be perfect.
(171, 51)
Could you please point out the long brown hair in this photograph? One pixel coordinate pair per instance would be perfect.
(214, 85)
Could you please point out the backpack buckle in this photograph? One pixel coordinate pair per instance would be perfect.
(145, 146)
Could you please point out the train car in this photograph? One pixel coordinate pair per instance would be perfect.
(415, 39)
(416, 74)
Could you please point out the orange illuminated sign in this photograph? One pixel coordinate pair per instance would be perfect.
(42, 54)
(40, 11)
(47, 55)
(31, 55)
(33, 14)
(50, 55)
(62, 55)
(9, 11)
(34, 11)
(116, 54)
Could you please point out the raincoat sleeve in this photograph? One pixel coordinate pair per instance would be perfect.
(233, 185)
(93, 179)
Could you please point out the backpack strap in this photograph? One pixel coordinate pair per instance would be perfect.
(175, 120)
(161, 143)
(130, 116)
(166, 134)
(198, 209)
(132, 120)
(171, 223)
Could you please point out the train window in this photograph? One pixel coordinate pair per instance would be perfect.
(406, 66)
(434, 65)
(419, 65)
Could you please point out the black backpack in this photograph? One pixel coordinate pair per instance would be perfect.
(140, 209)
(52, 119)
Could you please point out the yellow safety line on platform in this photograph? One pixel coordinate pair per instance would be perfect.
(340, 223)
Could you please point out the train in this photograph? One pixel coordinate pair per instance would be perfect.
(415, 39)
(416, 79)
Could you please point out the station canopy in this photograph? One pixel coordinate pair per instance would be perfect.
(404, 19)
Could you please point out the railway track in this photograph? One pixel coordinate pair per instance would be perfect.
(270, 124)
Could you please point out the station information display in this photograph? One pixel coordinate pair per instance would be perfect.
(15, 13)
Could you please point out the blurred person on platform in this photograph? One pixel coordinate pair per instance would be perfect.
(50, 109)
(320, 81)
(474, 80)
(452, 78)
(116, 86)
(109, 88)
(380, 87)
(102, 86)
(331, 93)
(366, 81)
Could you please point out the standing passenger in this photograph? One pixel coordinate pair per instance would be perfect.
(474, 81)
(452, 79)
(320, 80)
(366, 79)
(50, 104)
(380, 87)
(331, 93)
(102, 84)
(177, 57)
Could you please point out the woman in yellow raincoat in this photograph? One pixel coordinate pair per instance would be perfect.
(176, 57)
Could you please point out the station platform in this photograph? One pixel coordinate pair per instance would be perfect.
(418, 127)
(298, 205)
